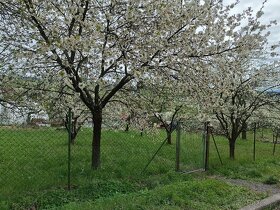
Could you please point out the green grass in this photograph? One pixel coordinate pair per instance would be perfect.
(33, 171)
(194, 194)
(265, 165)
(191, 151)
(30, 159)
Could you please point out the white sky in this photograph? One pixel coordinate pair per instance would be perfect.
(271, 12)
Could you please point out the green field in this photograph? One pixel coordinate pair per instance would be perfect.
(33, 171)
(265, 167)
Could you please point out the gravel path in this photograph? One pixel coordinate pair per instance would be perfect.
(256, 186)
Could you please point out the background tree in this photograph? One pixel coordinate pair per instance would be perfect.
(165, 99)
(100, 47)
(234, 91)
(58, 109)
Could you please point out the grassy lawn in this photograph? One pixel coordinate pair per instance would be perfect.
(192, 194)
(33, 171)
(265, 168)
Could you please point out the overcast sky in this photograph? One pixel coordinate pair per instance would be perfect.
(271, 12)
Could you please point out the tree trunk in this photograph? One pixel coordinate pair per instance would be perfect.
(169, 137)
(73, 137)
(231, 148)
(28, 119)
(244, 134)
(127, 127)
(127, 123)
(244, 131)
(97, 122)
(74, 129)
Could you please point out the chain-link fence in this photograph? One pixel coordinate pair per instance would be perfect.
(252, 144)
(123, 153)
(38, 157)
(191, 148)
(32, 158)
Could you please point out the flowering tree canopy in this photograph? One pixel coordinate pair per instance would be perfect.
(98, 47)
(234, 88)
(165, 98)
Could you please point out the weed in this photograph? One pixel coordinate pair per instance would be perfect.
(271, 180)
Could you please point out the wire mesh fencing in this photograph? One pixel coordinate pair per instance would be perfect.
(130, 153)
(39, 157)
(123, 153)
(191, 148)
(264, 134)
(31, 158)
(253, 144)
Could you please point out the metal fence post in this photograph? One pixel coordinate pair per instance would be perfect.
(216, 148)
(207, 138)
(275, 142)
(69, 147)
(254, 148)
(178, 138)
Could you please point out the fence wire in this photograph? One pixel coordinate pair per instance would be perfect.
(123, 153)
(35, 158)
(192, 146)
(31, 158)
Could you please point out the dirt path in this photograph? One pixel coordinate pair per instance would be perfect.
(256, 186)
